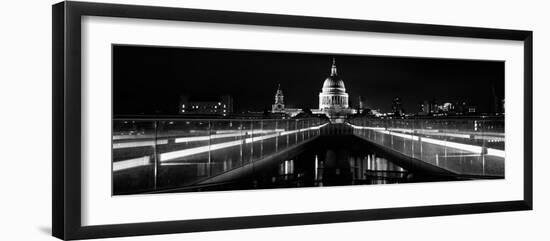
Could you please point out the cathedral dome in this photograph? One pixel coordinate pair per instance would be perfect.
(333, 99)
(334, 84)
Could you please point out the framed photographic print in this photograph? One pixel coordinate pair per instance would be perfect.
(170, 120)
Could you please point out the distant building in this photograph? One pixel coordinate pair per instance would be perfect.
(396, 106)
(498, 106)
(427, 107)
(463, 108)
(200, 105)
(279, 104)
(333, 99)
(362, 107)
(447, 107)
(433, 108)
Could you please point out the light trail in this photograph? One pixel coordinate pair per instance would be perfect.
(436, 132)
(131, 163)
(233, 133)
(132, 144)
(149, 142)
(460, 146)
(167, 156)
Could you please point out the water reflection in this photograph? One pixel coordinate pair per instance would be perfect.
(333, 167)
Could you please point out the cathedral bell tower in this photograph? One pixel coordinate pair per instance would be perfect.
(279, 105)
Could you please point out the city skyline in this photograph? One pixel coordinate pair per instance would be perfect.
(252, 77)
(212, 145)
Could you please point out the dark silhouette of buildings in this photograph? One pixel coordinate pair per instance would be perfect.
(397, 109)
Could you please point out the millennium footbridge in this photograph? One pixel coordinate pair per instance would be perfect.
(175, 155)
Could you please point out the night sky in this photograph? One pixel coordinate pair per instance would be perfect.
(150, 80)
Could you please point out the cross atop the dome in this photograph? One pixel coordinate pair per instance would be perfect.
(333, 69)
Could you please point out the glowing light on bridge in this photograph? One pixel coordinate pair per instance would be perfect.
(173, 155)
(132, 144)
(202, 149)
(226, 134)
(460, 146)
(131, 163)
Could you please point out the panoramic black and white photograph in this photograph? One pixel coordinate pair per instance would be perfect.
(204, 119)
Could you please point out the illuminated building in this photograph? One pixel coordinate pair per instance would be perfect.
(333, 99)
(279, 105)
(222, 105)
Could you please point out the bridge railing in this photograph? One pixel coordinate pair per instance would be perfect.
(149, 155)
(467, 146)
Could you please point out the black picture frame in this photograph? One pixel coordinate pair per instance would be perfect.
(66, 159)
